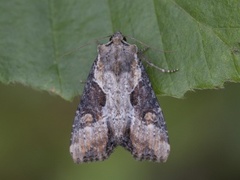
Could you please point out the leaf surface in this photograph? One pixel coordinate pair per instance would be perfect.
(200, 38)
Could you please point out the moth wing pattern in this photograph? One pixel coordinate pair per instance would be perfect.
(148, 132)
(90, 131)
(118, 107)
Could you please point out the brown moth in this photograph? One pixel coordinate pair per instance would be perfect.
(118, 107)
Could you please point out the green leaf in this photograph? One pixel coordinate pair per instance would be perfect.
(200, 38)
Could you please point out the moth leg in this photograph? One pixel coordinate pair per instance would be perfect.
(160, 69)
(143, 50)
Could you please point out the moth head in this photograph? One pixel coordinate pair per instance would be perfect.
(118, 38)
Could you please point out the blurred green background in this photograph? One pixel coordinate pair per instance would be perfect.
(204, 130)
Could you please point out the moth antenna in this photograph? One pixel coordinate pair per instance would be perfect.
(148, 46)
(86, 44)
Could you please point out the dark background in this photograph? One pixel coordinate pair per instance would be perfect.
(204, 130)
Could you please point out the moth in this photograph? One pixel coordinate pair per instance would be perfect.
(118, 107)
